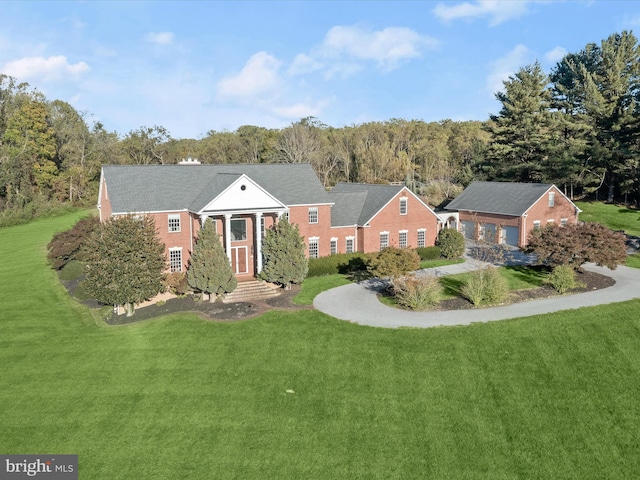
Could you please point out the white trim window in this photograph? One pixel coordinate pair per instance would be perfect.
(551, 221)
(349, 245)
(384, 240)
(402, 238)
(404, 202)
(313, 214)
(552, 199)
(536, 225)
(263, 227)
(174, 223)
(175, 259)
(422, 237)
(334, 246)
(313, 247)
(564, 222)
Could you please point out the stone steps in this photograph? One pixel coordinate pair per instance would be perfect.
(252, 290)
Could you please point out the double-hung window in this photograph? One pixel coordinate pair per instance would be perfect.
(552, 199)
(403, 206)
(536, 225)
(174, 223)
(175, 259)
(334, 246)
(349, 245)
(384, 240)
(422, 234)
(313, 214)
(402, 239)
(313, 247)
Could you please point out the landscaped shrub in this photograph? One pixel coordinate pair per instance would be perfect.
(393, 262)
(66, 246)
(563, 278)
(429, 253)
(176, 283)
(417, 293)
(451, 243)
(485, 287)
(344, 263)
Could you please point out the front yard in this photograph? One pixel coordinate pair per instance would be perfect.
(301, 395)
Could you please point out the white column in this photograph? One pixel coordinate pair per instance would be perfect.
(258, 230)
(227, 234)
(203, 219)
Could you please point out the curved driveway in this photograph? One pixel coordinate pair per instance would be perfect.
(357, 302)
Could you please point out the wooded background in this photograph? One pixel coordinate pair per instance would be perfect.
(576, 126)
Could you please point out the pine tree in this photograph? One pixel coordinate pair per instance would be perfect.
(209, 267)
(283, 251)
(125, 262)
(524, 134)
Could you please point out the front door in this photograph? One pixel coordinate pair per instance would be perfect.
(239, 260)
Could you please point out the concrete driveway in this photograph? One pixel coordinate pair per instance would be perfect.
(358, 302)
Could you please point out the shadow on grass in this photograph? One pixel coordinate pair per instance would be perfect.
(533, 275)
(452, 286)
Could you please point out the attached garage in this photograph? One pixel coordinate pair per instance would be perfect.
(490, 233)
(469, 229)
(510, 235)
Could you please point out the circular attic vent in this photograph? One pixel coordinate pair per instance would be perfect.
(243, 187)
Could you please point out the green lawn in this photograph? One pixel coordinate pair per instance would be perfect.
(518, 278)
(312, 286)
(439, 263)
(552, 396)
(613, 216)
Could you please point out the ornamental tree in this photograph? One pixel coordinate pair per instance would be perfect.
(577, 244)
(209, 267)
(125, 262)
(283, 253)
(393, 262)
(66, 246)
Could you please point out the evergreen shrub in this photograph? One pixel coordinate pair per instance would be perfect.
(429, 253)
(393, 262)
(485, 287)
(339, 263)
(563, 278)
(451, 243)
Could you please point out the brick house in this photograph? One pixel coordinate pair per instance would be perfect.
(504, 212)
(243, 201)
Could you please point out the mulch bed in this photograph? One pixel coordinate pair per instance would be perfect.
(218, 311)
(591, 280)
(227, 312)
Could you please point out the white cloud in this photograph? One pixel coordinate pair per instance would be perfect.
(45, 69)
(498, 11)
(345, 50)
(387, 47)
(506, 66)
(555, 55)
(160, 38)
(259, 77)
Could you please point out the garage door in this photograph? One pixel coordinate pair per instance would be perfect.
(469, 229)
(490, 233)
(510, 235)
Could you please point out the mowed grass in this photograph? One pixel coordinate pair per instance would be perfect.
(517, 277)
(552, 396)
(613, 216)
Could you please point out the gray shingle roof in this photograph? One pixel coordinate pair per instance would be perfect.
(357, 203)
(503, 198)
(148, 188)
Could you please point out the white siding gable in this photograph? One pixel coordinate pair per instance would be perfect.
(243, 194)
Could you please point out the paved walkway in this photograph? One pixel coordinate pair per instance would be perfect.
(357, 302)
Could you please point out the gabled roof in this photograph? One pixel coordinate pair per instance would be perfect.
(358, 203)
(156, 188)
(503, 198)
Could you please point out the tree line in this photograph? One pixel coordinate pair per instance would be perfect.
(576, 126)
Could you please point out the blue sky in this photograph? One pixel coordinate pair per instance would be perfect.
(193, 67)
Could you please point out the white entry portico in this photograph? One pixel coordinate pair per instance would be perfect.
(242, 209)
